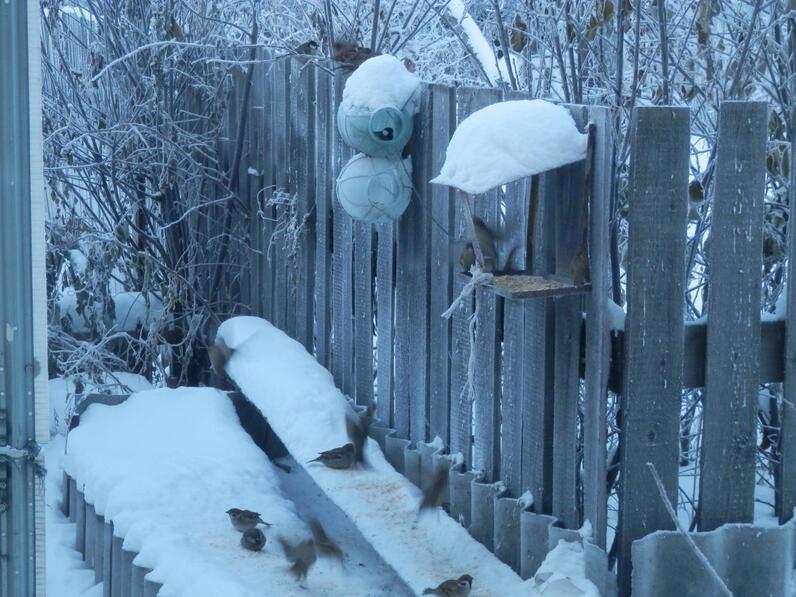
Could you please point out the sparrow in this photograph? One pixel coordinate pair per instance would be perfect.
(325, 546)
(351, 54)
(434, 493)
(358, 428)
(579, 268)
(252, 539)
(243, 520)
(219, 354)
(337, 458)
(519, 34)
(487, 241)
(302, 555)
(459, 587)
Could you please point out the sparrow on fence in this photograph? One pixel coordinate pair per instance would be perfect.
(487, 242)
(302, 556)
(243, 520)
(252, 539)
(337, 458)
(219, 354)
(434, 493)
(325, 546)
(358, 427)
(579, 267)
(459, 587)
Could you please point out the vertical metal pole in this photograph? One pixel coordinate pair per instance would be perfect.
(21, 297)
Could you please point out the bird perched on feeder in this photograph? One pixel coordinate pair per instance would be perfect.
(459, 587)
(486, 240)
(302, 556)
(337, 458)
(252, 539)
(358, 427)
(219, 354)
(351, 54)
(325, 546)
(435, 493)
(243, 520)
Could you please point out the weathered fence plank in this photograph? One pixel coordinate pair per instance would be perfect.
(342, 264)
(442, 266)
(265, 92)
(324, 123)
(281, 106)
(729, 442)
(363, 312)
(385, 296)
(653, 329)
(302, 141)
(411, 297)
(598, 346)
(786, 489)
(566, 193)
(489, 307)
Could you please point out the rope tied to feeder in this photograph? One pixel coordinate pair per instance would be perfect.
(479, 278)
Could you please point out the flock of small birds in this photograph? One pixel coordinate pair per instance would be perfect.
(303, 554)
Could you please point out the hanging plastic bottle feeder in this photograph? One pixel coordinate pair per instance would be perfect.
(374, 189)
(380, 133)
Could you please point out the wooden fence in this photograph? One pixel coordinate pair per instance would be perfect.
(367, 301)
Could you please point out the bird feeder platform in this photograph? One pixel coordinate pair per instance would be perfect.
(521, 286)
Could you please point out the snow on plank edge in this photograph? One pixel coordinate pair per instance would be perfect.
(305, 409)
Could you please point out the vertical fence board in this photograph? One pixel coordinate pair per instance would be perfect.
(411, 297)
(281, 105)
(266, 87)
(537, 380)
(303, 185)
(598, 347)
(654, 328)
(385, 291)
(324, 123)
(787, 441)
(443, 267)
(486, 374)
(732, 372)
(564, 189)
(342, 291)
(363, 312)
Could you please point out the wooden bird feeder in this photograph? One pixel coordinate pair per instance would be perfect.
(524, 285)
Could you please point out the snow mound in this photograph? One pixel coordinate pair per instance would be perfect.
(507, 141)
(305, 409)
(164, 466)
(563, 573)
(381, 81)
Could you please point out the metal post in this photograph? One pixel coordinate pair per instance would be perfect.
(23, 372)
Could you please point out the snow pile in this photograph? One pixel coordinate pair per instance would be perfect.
(307, 411)
(507, 141)
(131, 310)
(381, 81)
(563, 573)
(164, 466)
(494, 67)
(615, 316)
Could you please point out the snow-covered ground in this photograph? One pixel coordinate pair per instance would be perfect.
(165, 466)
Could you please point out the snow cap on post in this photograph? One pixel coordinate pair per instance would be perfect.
(379, 100)
(510, 140)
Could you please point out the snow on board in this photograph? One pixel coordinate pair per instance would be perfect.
(507, 141)
(307, 412)
(164, 466)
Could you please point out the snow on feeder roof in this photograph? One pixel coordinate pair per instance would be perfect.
(379, 81)
(510, 140)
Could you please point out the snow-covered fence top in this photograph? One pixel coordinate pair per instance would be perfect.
(529, 406)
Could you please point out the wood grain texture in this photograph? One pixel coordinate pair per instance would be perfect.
(266, 85)
(412, 287)
(342, 265)
(442, 264)
(598, 347)
(363, 312)
(787, 442)
(653, 329)
(486, 374)
(729, 440)
(385, 296)
(279, 151)
(324, 123)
